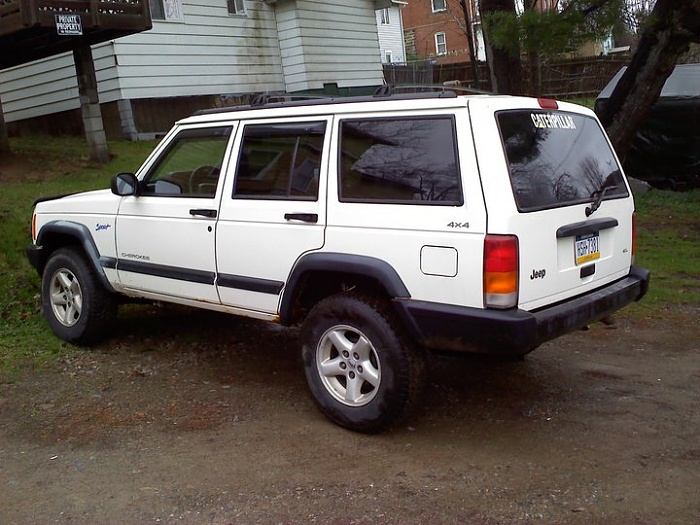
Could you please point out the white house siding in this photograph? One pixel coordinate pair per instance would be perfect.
(391, 36)
(50, 85)
(285, 45)
(210, 52)
(328, 42)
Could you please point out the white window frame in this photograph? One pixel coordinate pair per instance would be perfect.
(385, 19)
(172, 10)
(438, 5)
(388, 56)
(236, 7)
(439, 44)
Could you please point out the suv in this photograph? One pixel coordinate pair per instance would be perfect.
(387, 226)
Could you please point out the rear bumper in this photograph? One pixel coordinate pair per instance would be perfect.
(448, 327)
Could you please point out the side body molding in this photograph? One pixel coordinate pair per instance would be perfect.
(49, 238)
(343, 263)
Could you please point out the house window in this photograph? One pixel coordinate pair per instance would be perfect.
(236, 7)
(388, 56)
(385, 17)
(439, 5)
(440, 44)
(166, 10)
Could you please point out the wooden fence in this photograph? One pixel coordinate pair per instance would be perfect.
(574, 78)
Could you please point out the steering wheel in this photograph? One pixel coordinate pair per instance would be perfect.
(202, 174)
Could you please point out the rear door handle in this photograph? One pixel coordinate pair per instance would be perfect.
(204, 213)
(305, 217)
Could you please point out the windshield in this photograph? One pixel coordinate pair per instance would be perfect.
(557, 159)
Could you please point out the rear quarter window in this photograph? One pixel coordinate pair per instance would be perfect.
(557, 158)
(400, 161)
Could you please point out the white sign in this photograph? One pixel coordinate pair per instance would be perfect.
(69, 25)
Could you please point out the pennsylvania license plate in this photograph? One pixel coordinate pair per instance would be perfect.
(587, 248)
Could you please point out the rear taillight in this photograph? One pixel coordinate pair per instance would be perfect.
(634, 235)
(501, 268)
(34, 227)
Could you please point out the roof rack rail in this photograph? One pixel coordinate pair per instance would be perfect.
(264, 100)
(392, 89)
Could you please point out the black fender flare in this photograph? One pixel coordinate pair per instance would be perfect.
(80, 233)
(362, 265)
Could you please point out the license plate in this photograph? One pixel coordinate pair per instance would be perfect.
(587, 248)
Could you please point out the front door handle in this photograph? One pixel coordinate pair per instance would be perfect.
(204, 213)
(305, 217)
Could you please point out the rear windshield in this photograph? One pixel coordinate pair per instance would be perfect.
(557, 159)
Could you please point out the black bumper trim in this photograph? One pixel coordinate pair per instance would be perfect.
(448, 327)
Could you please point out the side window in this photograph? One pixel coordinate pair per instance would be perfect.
(440, 44)
(190, 166)
(236, 7)
(280, 161)
(438, 5)
(166, 10)
(402, 161)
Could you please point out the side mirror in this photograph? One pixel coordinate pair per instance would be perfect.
(125, 184)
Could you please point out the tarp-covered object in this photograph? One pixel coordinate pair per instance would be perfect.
(666, 150)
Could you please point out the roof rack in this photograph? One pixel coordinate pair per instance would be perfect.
(276, 100)
(393, 89)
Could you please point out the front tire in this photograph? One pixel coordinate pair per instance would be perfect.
(362, 373)
(76, 306)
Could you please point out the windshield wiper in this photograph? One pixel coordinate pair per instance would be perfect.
(598, 199)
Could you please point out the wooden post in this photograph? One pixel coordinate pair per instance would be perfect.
(4, 141)
(90, 103)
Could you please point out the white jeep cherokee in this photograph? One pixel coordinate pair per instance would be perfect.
(385, 225)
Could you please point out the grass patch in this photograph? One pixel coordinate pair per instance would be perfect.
(668, 243)
(39, 167)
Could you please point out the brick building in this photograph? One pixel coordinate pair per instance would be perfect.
(435, 29)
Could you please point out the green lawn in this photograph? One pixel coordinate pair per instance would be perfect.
(668, 240)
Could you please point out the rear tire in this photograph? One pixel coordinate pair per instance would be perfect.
(76, 305)
(362, 373)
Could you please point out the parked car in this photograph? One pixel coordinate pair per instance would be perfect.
(387, 227)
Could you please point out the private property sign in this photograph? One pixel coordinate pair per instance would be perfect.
(69, 25)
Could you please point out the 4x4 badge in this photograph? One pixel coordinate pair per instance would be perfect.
(458, 225)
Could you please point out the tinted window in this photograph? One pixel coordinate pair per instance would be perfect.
(410, 161)
(557, 158)
(280, 161)
(190, 166)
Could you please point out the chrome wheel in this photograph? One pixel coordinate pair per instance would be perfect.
(348, 365)
(66, 297)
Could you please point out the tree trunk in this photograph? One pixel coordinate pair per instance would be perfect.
(505, 67)
(671, 27)
(469, 30)
(90, 104)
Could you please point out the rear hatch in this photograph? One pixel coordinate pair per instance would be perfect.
(557, 185)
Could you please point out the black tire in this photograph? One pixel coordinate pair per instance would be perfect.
(377, 380)
(76, 305)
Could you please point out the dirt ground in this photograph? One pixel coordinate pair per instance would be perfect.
(191, 417)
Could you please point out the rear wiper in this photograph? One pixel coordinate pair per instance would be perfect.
(598, 198)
